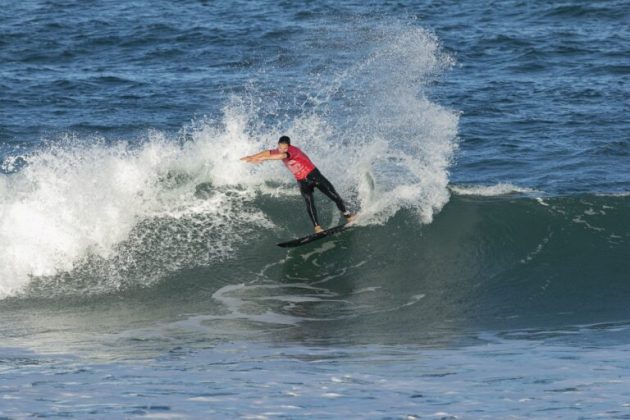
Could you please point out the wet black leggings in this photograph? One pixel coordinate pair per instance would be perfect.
(307, 186)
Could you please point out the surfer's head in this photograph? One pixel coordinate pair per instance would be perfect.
(285, 140)
(284, 143)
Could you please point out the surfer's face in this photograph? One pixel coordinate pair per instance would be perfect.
(283, 148)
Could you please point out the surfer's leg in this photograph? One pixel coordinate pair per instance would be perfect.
(306, 189)
(327, 188)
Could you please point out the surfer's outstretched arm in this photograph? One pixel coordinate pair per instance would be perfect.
(264, 155)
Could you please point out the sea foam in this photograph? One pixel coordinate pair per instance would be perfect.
(126, 213)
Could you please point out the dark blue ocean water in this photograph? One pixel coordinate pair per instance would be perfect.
(542, 89)
(485, 146)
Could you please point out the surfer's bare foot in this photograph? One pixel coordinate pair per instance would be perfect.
(350, 217)
(318, 229)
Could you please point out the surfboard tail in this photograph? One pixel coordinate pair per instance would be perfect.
(313, 237)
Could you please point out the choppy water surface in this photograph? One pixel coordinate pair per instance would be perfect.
(485, 145)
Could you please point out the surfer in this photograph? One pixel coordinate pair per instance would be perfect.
(306, 174)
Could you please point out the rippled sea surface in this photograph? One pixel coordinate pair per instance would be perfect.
(485, 146)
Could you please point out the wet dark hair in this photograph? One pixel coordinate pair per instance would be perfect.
(284, 140)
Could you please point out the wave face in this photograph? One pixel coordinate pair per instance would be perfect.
(484, 263)
(85, 215)
(530, 261)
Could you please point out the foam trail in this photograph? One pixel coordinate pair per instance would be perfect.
(404, 143)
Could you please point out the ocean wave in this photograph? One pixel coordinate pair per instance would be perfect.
(503, 263)
(126, 214)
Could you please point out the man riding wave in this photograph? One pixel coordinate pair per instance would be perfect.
(306, 174)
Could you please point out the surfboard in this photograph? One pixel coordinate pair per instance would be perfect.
(315, 236)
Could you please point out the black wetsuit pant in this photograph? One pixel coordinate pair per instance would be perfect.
(307, 186)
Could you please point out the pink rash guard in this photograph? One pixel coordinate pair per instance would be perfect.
(297, 162)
